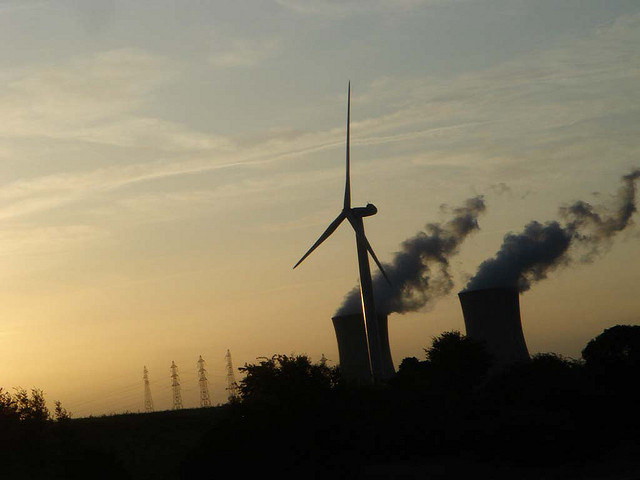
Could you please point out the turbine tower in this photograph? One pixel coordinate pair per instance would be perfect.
(148, 401)
(232, 386)
(355, 215)
(175, 386)
(205, 401)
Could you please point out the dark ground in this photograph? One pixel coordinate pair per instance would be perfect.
(441, 418)
(352, 441)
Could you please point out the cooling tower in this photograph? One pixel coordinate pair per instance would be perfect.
(353, 349)
(493, 315)
(387, 362)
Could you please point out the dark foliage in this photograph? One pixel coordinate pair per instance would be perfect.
(27, 443)
(549, 381)
(448, 416)
(291, 380)
(454, 366)
(458, 363)
(616, 347)
(22, 406)
(612, 362)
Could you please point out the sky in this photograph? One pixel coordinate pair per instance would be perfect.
(163, 165)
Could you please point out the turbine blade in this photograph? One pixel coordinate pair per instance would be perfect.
(375, 259)
(330, 229)
(347, 186)
(359, 229)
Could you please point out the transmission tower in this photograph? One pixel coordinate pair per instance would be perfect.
(205, 401)
(148, 401)
(175, 386)
(232, 386)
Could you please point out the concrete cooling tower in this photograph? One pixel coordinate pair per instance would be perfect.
(493, 315)
(353, 349)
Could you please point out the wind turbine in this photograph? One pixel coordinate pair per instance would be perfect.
(355, 215)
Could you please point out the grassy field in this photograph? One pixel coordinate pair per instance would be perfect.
(149, 445)
(206, 443)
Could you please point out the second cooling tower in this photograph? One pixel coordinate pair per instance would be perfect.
(493, 316)
(353, 349)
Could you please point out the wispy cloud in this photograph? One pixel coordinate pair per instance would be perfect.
(26, 240)
(13, 6)
(344, 8)
(82, 90)
(542, 104)
(99, 99)
(244, 52)
(40, 194)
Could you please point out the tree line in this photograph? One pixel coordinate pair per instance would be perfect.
(453, 405)
(448, 414)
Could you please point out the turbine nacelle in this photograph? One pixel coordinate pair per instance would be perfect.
(367, 211)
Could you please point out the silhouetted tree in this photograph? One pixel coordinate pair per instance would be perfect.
(290, 379)
(454, 366)
(24, 406)
(7, 405)
(617, 346)
(60, 413)
(458, 355)
(31, 407)
(612, 358)
(284, 423)
(411, 374)
(549, 381)
(457, 363)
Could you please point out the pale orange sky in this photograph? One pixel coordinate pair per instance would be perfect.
(163, 167)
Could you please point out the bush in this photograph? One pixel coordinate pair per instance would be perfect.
(617, 347)
(454, 365)
(612, 359)
(23, 406)
(548, 381)
(286, 379)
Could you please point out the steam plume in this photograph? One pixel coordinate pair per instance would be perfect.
(420, 270)
(529, 256)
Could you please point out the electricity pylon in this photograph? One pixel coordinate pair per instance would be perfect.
(232, 386)
(205, 401)
(175, 386)
(148, 401)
